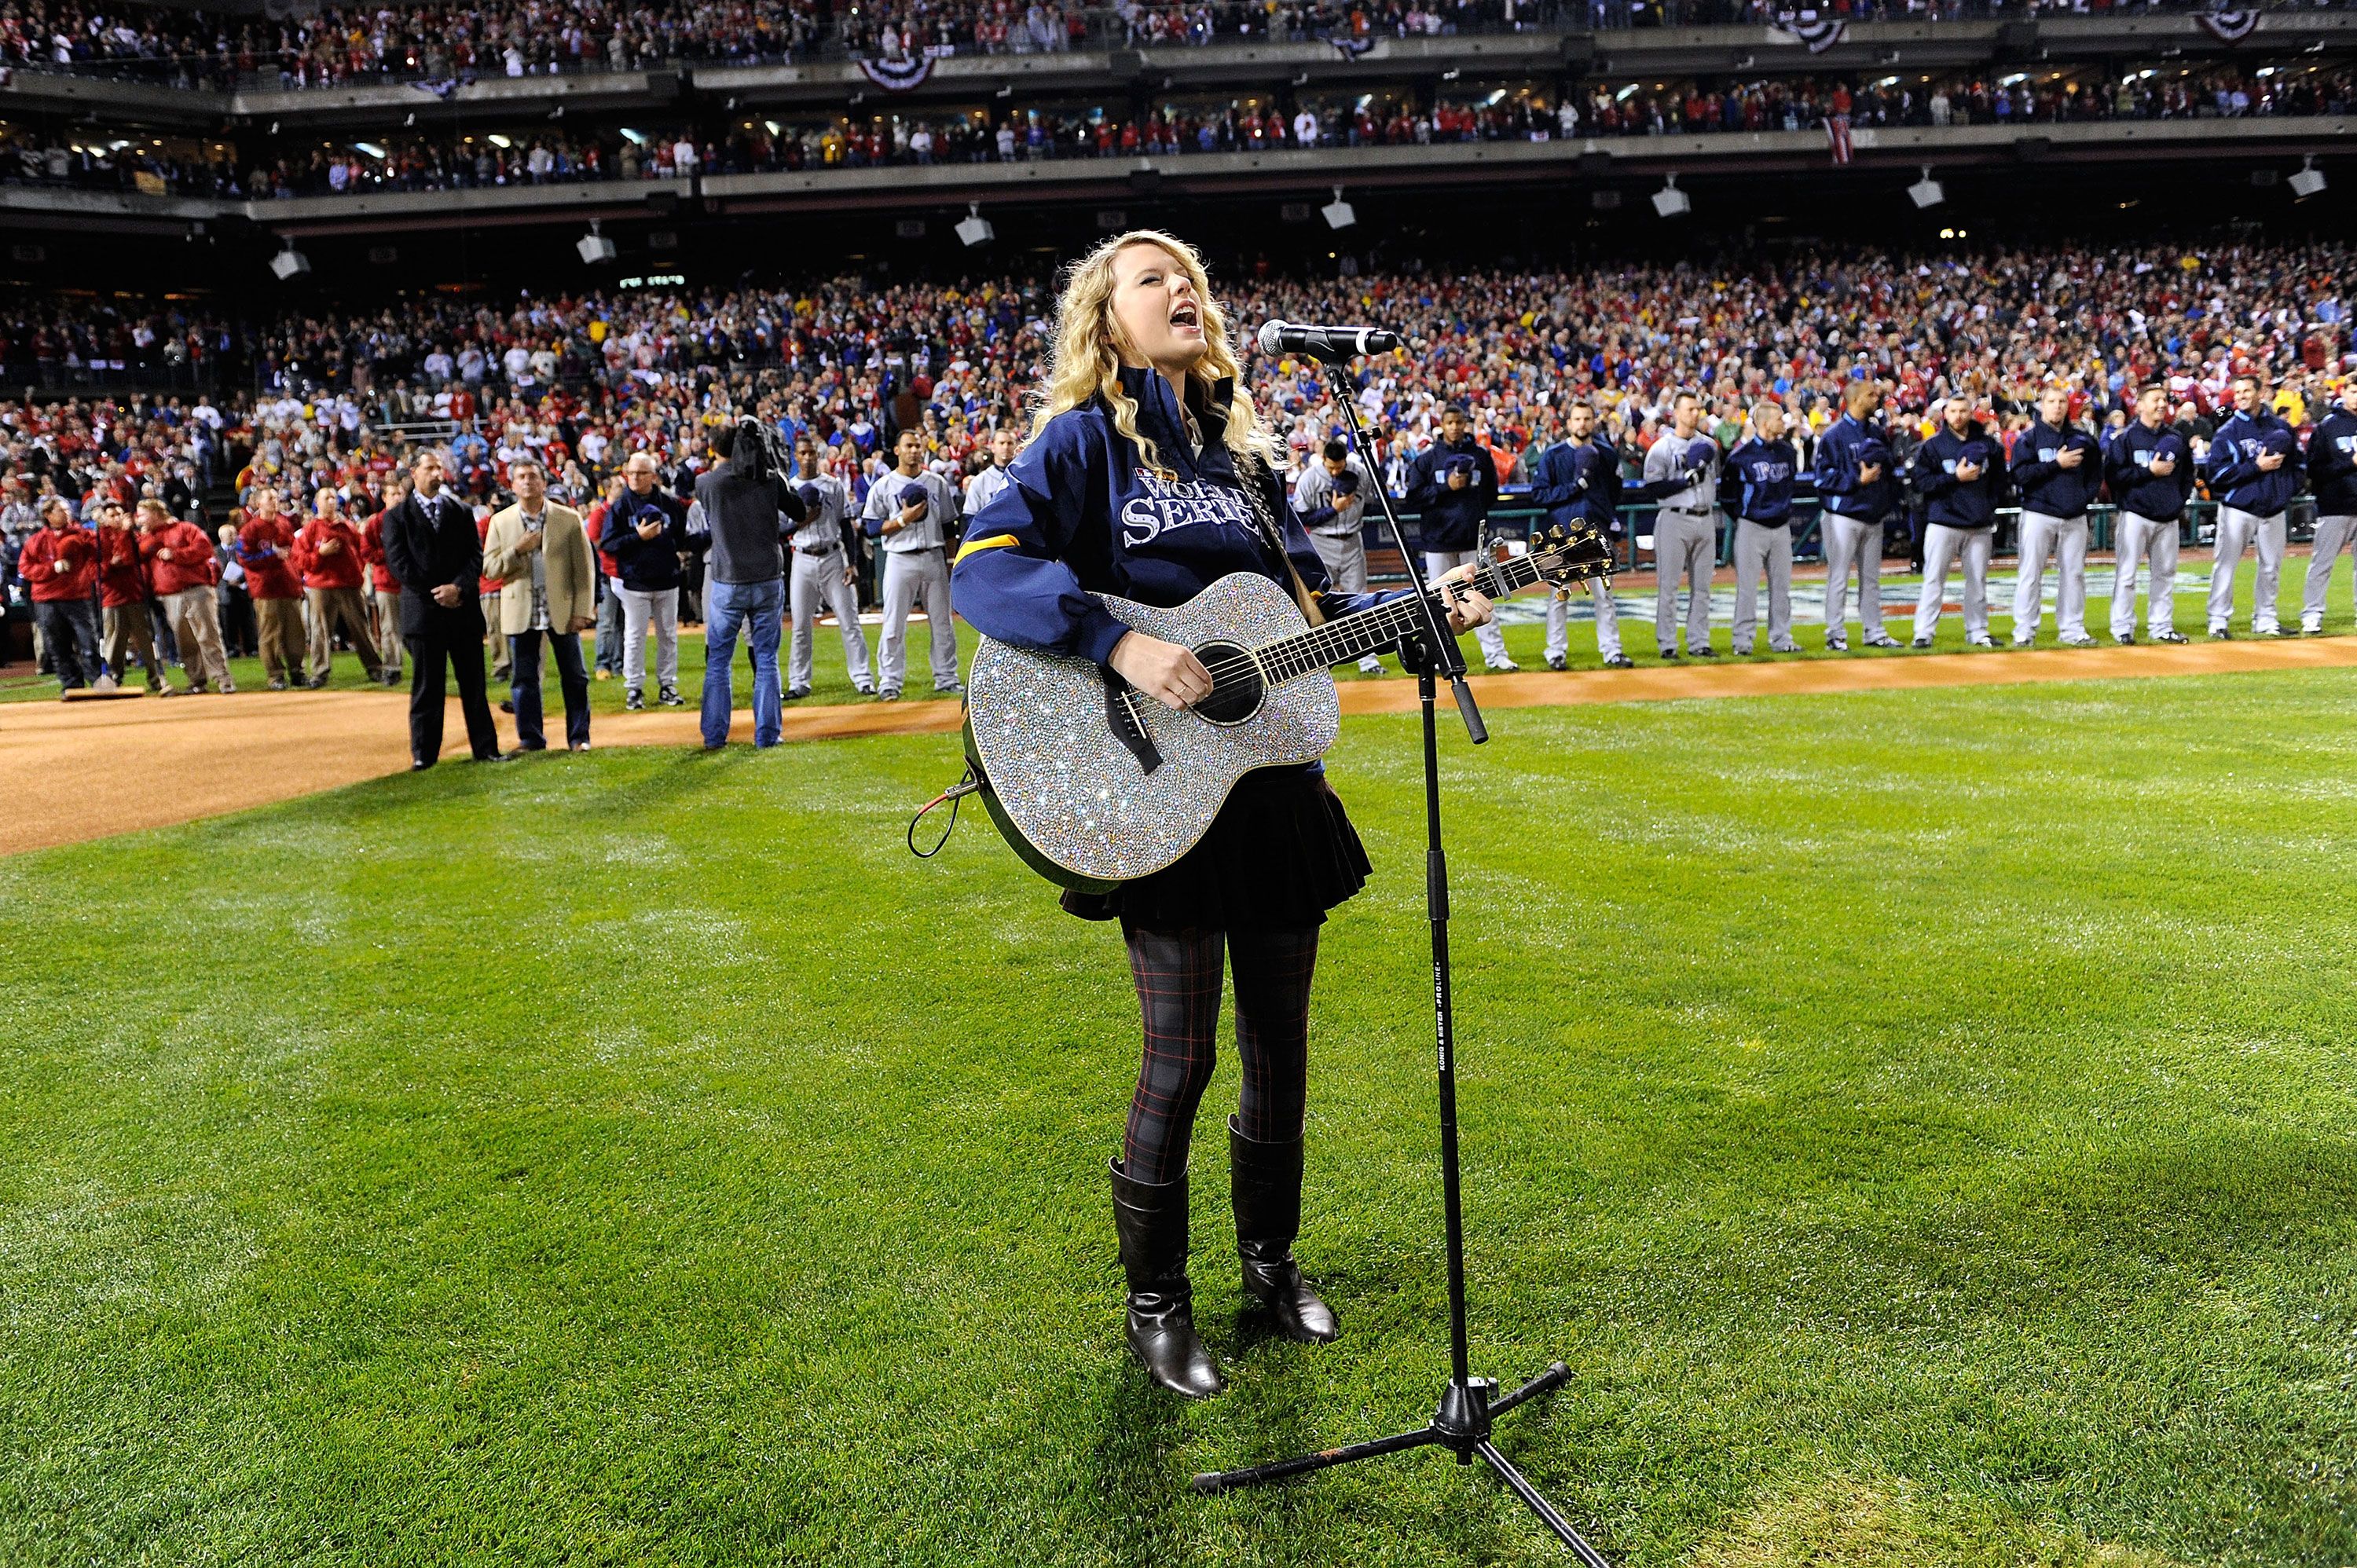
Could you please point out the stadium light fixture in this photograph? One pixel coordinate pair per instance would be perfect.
(289, 264)
(974, 229)
(1341, 214)
(593, 247)
(1670, 201)
(2308, 181)
(1926, 192)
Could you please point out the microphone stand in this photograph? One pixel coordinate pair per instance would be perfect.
(1461, 1423)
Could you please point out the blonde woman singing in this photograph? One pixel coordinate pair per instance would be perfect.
(1148, 474)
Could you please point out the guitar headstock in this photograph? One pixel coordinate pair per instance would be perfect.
(1564, 556)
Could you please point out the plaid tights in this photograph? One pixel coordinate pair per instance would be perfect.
(1178, 976)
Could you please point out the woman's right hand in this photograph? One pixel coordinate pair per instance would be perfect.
(1165, 672)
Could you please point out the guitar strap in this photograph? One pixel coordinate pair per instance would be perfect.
(1257, 480)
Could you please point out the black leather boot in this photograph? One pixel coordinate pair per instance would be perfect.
(1152, 1223)
(1264, 1180)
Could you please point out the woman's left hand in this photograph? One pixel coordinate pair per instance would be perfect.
(1467, 609)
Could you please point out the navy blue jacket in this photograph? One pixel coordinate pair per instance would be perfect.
(1846, 445)
(1580, 483)
(2233, 474)
(1083, 515)
(2127, 470)
(1951, 503)
(1765, 472)
(2332, 463)
(2045, 485)
(1452, 520)
(646, 566)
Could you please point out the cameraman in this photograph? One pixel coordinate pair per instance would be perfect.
(743, 499)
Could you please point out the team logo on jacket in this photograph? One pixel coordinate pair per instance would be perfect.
(1169, 505)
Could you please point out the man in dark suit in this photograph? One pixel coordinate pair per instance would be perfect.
(432, 550)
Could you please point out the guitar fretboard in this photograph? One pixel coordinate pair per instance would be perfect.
(1350, 636)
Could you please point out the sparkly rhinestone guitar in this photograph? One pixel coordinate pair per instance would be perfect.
(1093, 783)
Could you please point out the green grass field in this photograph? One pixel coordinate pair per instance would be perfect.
(1923, 1122)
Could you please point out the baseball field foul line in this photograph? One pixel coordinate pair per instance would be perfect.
(78, 771)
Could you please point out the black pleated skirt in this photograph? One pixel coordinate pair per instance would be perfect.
(1280, 853)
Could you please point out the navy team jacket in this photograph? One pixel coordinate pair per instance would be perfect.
(1081, 514)
(2332, 463)
(2044, 485)
(1446, 518)
(1765, 472)
(2234, 477)
(1580, 483)
(1950, 501)
(1846, 445)
(2128, 470)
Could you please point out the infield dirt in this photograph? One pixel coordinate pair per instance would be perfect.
(78, 771)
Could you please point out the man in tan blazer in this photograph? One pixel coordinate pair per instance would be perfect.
(547, 594)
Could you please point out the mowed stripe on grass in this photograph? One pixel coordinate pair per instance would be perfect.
(1922, 1119)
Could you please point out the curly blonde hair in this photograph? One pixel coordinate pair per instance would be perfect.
(1089, 341)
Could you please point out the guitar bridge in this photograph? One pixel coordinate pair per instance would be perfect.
(1128, 726)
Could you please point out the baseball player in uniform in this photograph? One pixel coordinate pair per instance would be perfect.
(913, 511)
(824, 571)
(1330, 499)
(1682, 480)
(1955, 472)
(2149, 470)
(2056, 470)
(2254, 469)
(2332, 475)
(1453, 484)
(983, 488)
(1765, 467)
(1579, 481)
(1857, 483)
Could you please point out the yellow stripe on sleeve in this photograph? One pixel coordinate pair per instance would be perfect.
(995, 542)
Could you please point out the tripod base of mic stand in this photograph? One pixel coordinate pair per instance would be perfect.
(1461, 1426)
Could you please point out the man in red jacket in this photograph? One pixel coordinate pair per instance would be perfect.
(384, 588)
(265, 547)
(183, 569)
(123, 600)
(60, 565)
(330, 557)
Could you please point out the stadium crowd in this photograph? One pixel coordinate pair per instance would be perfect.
(538, 155)
(336, 46)
(842, 368)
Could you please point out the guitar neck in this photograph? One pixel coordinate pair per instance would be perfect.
(1355, 636)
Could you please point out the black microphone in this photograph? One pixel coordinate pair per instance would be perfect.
(1326, 342)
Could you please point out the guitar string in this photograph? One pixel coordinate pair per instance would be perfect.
(1336, 640)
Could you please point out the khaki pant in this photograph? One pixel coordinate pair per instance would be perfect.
(128, 631)
(280, 625)
(500, 655)
(344, 611)
(388, 631)
(195, 615)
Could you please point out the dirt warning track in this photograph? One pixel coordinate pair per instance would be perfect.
(77, 771)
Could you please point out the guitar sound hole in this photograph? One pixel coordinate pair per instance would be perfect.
(1236, 687)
